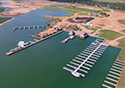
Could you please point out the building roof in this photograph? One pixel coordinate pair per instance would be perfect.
(87, 25)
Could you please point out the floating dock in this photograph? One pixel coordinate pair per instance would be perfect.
(32, 43)
(113, 75)
(85, 60)
(29, 27)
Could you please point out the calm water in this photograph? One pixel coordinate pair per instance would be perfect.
(40, 66)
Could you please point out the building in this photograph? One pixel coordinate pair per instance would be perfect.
(71, 33)
(81, 34)
(88, 25)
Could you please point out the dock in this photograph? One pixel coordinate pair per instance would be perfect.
(87, 58)
(29, 27)
(113, 75)
(65, 40)
(33, 43)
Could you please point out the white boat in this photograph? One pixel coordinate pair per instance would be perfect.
(71, 37)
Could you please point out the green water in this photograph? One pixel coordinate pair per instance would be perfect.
(40, 66)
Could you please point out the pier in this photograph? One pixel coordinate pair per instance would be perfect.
(110, 83)
(88, 58)
(114, 74)
(33, 43)
(65, 40)
(111, 79)
(106, 86)
(29, 27)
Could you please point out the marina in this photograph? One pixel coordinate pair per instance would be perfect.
(114, 75)
(84, 58)
(32, 63)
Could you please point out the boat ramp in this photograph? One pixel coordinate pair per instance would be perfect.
(80, 66)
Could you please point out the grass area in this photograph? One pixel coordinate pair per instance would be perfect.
(83, 14)
(122, 21)
(106, 10)
(4, 19)
(81, 9)
(2, 9)
(98, 27)
(110, 35)
(94, 29)
(69, 15)
(48, 25)
(73, 9)
(57, 20)
(122, 45)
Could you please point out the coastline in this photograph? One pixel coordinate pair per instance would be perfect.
(7, 21)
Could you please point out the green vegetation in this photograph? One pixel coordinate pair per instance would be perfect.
(112, 1)
(19, 1)
(83, 14)
(48, 25)
(98, 27)
(112, 4)
(110, 35)
(106, 10)
(81, 9)
(4, 19)
(2, 9)
(122, 45)
(94, 29)
(57, 20)
(69, 15)
(75, 9)
(122, 21)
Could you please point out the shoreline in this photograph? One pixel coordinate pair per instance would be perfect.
(7, 21)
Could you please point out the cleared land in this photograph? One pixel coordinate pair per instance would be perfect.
(110, 35)
(4, 19)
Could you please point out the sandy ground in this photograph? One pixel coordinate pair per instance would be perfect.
(25, 7)
(110, 23)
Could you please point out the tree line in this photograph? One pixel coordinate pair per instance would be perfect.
(115, 6)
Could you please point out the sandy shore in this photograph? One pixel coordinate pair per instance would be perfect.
(25, 7)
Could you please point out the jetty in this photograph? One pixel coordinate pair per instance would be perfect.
(113, 75)
(65, 40)
(32, 43)
(29, 27)
(86, 59)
